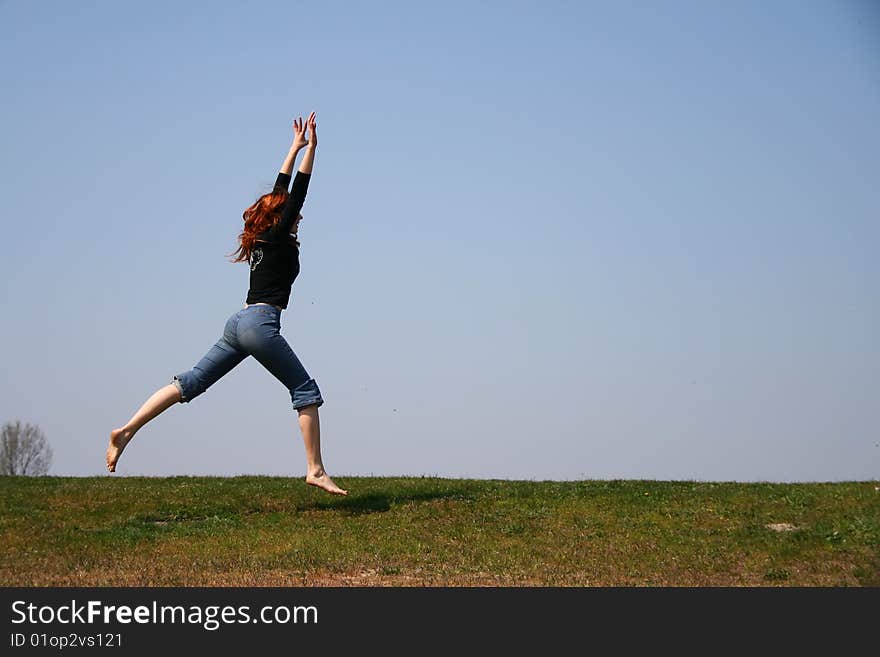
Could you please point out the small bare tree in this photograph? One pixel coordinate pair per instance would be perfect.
(24, 450)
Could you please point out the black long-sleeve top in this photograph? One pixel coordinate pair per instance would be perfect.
(274, 260)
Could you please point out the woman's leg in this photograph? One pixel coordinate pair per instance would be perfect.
(258, 334)
(162, 399)
(310, 425)
(220, 359)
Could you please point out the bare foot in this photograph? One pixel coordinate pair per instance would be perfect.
(322, 480)
(118, 440)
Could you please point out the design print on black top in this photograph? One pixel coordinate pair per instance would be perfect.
(256, 258)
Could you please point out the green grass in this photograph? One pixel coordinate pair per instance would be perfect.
(272, 531)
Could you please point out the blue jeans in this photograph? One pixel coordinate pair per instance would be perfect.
(252, 331)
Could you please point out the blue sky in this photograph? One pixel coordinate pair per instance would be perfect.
(555, 240)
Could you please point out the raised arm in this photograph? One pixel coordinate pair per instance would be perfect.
(299, 142)
(301, 181)
(309, 158)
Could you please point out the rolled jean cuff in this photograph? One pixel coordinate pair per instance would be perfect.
(306, 394)
(176, 382)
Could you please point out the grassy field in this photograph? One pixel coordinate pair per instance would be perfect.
(271, 531)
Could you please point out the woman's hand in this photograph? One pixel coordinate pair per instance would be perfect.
(309, 158)
(299, 133)
(313, 135)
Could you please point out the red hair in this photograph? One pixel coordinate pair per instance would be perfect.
(262, 215)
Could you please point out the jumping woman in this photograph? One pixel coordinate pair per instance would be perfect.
(269, 245)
